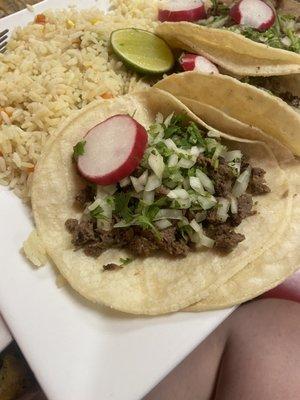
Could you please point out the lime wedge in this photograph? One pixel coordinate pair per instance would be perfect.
(142, 50)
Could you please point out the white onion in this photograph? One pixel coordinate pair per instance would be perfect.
(138, 187)
(159, 119)
(156, 163)
(163, 224)
(206, 181)
(206, 241)
(168, 213)
(109, 189)
(173, 160)
(233, 205)
(153, 182)
(143, 178)
(184, 203)
(148, 197)
(197, 185)
(184, 163)
(213, 134)
(233, 155)
(124, 182)
(242, 183)
(223, 208)
(206, 202)
(170, 144)
(194, 224)
(195, 151)
(122, 224)
(178, 194)
(168, 120)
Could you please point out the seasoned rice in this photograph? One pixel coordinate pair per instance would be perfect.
(52, 70)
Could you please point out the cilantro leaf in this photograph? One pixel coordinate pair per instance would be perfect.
(78, 149)
(125, 261)
(98, 213)
(121, 206)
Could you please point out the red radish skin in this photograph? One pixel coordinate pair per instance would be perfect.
(113, 150)
(254, 13)
(181, 10)
(193, 62)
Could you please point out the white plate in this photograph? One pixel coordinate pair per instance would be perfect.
(79, 351)
(5, 336)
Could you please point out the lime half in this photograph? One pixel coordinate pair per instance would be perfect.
(142, 50)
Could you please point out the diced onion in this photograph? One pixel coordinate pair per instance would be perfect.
(163, 224)
(184, 203)
(213, 134)
(153, 182)
(206, 181)
(233, 155)
(233, 205)
(286, 41)
(138, 187)
(148, 197)
(206, 202)
(168, 213)
(173, 160)
(194, 224)
(195, 151)
(168, 120)
(200, 216)
(184, 163)
(178, 194)
(223, 208)
(170, 144)
(143, 178)
(242, 183)
(156, 163)
(197, 185)
(122, 224)
(125, 182)
(159, 119)
(109, 189)
(206, 241)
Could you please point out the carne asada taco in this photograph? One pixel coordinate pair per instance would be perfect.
(239, 40)
(146, 209)
(270, 269)
(228, 97)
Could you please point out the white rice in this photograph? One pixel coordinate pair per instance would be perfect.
(50, 70)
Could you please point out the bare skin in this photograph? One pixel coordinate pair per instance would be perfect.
(253, 355)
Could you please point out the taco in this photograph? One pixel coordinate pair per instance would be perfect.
(240, 46)
(221, 97)
(160, 229)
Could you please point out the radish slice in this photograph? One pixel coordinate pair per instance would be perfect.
(181, 10)
(192, 62)
(112, 150)
(254, 13)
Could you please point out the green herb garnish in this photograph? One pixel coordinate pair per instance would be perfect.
(78, 150)
(126, 261)
(98, 213)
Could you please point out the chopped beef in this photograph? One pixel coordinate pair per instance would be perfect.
(142, 246)
(257, 184)
(71, 225)
(169, 242)
(212, 217)
(292, 100)
(83, 233)
(245, 205)
(111, 267)
(85, 196)
(94, 249)
(226, 239)
(223, 179)
(203, 161)
(190, 215)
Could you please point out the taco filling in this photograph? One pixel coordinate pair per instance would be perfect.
(188, 191)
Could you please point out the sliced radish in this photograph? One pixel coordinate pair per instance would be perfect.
(254, 13)
(113, 149)
(192, 62)
(181, 10)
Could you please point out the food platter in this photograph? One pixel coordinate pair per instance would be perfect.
(64, 338)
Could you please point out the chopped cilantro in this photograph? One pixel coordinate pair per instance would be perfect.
(97, 213)
(125, 261)
(78, 149)
(121, 206)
